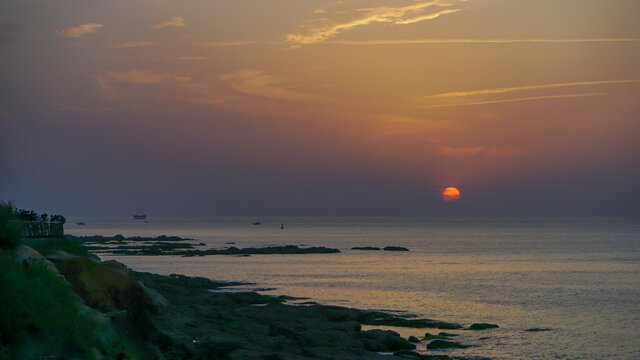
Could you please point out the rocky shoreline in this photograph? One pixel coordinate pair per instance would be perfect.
(180, 317)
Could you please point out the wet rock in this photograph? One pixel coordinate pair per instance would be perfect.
(365, 248)
(537, 329)
(389, 340)
(395, 248)
(428, 336)
(413, 339)
(447, 334)
(482, 326)
(444, 344)
(413, 323)
(411, 355)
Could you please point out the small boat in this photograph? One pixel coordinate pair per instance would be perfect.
(80, 223)
(139, 217)
(256, 223)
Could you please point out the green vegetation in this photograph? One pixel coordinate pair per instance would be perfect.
(10, 226)
(40, 314)
(47, 247)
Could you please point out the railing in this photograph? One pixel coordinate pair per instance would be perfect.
(41, 229)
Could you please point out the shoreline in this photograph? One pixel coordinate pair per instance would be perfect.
(178, 316)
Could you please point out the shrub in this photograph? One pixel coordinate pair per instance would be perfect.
(68, 244)
(10, 226)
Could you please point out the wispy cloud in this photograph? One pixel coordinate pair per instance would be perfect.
(476, 41)
(319, 30)
(426, 17)
(79, 31)
(529, 87)
(532, 98)
(258, 83)
(131, 44)
(136, 77)
(193, 58)
(226, 43)
(468, 152)
(175, 21)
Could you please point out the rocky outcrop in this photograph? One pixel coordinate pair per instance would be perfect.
(395, 248)
(482, 326)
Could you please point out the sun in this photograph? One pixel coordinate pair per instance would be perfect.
(451, 194)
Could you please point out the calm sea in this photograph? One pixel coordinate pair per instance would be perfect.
(578, 277)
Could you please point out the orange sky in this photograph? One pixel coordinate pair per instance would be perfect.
(405, 96)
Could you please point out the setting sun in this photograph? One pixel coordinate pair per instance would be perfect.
(451, 194)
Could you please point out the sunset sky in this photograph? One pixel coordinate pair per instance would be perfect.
(354, 107)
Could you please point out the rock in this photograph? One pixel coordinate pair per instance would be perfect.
(482, 326)
(169, 249)
(276, 330)
(106, 286)
(210, 346)
(412, 355)
(428, 336)
(444, 344)
(413, 339)
(413, 323)
(390, 340)
(447, 334)
(365, 248)
(395, 248)
(25, 253)
(537, 329)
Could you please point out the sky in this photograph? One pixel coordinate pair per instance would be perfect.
(288, 107)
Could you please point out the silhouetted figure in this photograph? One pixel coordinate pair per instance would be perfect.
(281, 226)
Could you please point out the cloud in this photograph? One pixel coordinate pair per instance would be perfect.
(475, 41)
(175, 21)
(226, 43)
(468, 152)
(533, 98)
(194, 58)
(319, 30)
(136, 77)
(79, 31)
(529, 87)
(131, 44)
(257, 83)
(426, 17)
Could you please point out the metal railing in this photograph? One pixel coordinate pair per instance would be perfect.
(42, 229)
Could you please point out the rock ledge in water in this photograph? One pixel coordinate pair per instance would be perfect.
(395, 248)
(444, 344)
(482, 326)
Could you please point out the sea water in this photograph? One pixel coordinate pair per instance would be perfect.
(577, 277)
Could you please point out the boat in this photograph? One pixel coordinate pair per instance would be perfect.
(139, 217)
(256, 223)
(80, 223)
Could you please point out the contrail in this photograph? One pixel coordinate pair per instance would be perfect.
(477, 41)
(529, 87)
(565, 96)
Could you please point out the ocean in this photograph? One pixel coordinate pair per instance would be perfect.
(577, 278)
